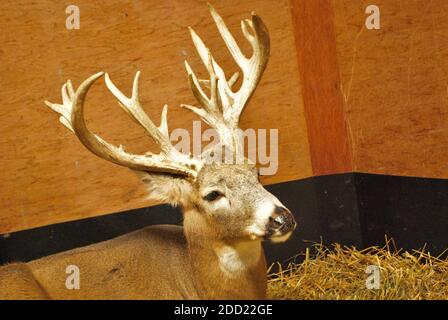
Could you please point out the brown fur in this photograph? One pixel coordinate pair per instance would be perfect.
(151, 263)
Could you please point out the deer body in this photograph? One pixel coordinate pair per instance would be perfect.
(119, 269)
(227, 212)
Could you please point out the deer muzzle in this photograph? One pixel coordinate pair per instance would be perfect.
(280, 225)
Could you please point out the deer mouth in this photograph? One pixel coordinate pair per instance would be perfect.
(280, 238)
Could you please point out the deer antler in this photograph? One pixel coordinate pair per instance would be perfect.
(72, 116)
(223, 108)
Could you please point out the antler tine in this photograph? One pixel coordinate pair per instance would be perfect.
(163, 128)
(196, 87)
(72, 115)
(252, 67)
(233, 79)
(229, 40)
(134, 109)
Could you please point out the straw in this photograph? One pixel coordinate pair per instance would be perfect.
(339, 273)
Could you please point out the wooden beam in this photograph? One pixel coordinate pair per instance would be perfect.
(321, 88)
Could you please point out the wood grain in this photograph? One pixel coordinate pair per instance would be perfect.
(394, 82)
(47, 176)
(323, 101)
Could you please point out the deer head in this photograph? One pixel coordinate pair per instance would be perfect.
(229, 197)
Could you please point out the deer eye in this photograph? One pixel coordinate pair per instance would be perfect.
(212, 196)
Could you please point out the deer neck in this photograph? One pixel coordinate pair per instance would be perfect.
(224, 269)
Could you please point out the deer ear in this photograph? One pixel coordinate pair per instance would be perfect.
(166, 188)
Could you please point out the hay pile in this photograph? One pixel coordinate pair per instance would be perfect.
(340, 273)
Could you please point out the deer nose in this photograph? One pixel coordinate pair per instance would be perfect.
(281, 221)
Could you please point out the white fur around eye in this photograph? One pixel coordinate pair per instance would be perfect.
(221, 203)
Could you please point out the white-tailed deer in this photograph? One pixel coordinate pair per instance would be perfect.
(227, 212)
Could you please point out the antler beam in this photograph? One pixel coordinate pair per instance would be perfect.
(72, 116)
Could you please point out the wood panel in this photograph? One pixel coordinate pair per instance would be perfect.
(324, 107)
(47, 176)
(394, 82)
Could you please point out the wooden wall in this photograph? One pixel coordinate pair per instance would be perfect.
(394, 84)
(344, 98)
(46, 175)
(375, 100)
